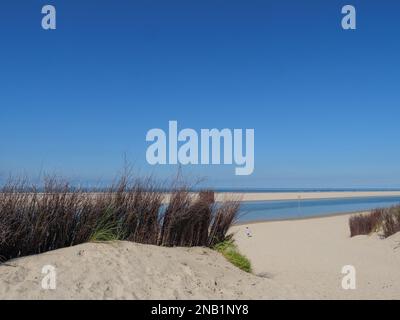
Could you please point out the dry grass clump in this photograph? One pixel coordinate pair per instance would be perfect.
(387, 221)
(34, 220)
(365, 223)
(390, 223)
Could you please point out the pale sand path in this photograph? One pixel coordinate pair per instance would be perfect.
(308, 255)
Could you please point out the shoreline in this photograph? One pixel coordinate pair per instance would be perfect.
(319, 216)
(275, 196)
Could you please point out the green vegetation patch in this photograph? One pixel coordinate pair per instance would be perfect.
(230, 251)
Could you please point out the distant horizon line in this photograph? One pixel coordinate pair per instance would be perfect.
(231, 190)
(309, 189)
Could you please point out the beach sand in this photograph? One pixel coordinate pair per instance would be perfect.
(298, 259)
(271, 196)
(125, 270)
(265, 196)
(307, 256)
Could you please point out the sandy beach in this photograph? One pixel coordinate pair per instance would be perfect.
(298, 259)
(276, 196)
(267, 196)
(307, 257)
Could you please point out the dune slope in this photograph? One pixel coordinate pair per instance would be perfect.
(125, 270)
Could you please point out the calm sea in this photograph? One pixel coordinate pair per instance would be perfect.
(294, 209)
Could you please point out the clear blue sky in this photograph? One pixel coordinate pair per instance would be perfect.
(324, 102)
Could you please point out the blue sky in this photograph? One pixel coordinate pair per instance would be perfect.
(324, 102)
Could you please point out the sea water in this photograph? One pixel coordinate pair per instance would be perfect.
(294, 209)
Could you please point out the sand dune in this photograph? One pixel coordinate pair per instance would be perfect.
(299, 259)
(309, 255)
(125, 270)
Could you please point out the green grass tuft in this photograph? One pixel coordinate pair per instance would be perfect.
(106, 234)
(107, 229)
(230, 251)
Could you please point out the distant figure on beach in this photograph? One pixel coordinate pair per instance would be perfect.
(248, 232)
